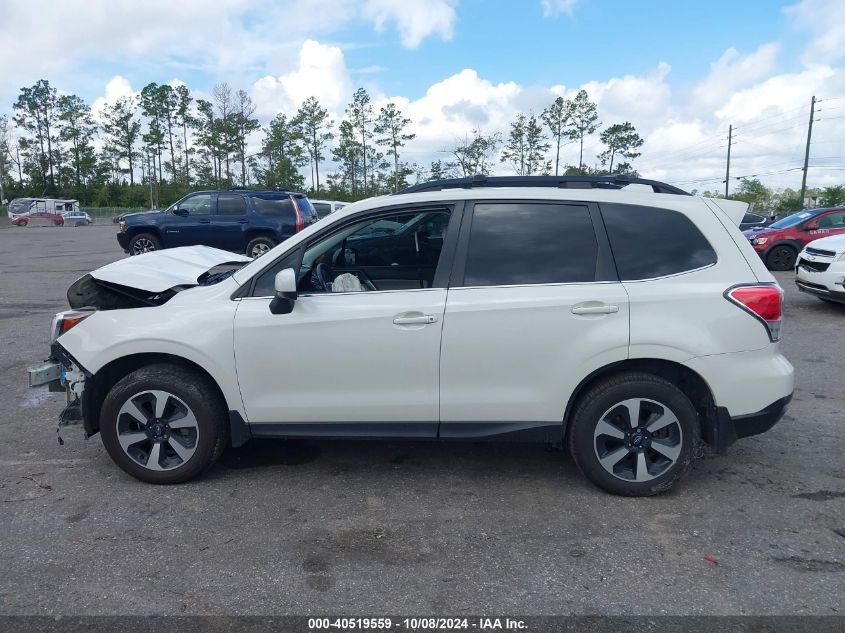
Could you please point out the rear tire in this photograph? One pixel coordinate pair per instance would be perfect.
(781, 258)
(259, 246)
(24, 223)
(144, 243)
(164, 424)
(640, 458)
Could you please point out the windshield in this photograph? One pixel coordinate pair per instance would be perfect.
(792, 220)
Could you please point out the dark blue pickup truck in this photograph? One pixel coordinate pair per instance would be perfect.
(240, 220)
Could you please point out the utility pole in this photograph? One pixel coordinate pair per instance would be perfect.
(807, 151)
(728, 168)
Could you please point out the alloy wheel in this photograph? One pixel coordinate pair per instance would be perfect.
(638, 439)
(259, 249)
(143, 245)
(157, 430)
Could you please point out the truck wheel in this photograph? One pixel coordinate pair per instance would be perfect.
(781, 258)
(164, 424)
(634, 434)
(144, 243)
(258, 246)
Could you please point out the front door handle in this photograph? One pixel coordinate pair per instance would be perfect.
(422, 319)
(244, 221)
(205, 221)
(602, 309)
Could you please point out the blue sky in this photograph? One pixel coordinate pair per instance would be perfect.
(680, 71)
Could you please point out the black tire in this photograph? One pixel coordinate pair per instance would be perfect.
(144, 243)
(781, 257)
(258, 246)
(183, 386)
(602, 403)
(24, 223)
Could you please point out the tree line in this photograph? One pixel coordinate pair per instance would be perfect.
(152, 148)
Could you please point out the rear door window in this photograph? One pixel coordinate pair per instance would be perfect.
(530, 243)
(649, 242)
(231, 204)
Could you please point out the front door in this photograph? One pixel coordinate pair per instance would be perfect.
(190, 223)
(228, 225)
(534, 306)
(359, 353)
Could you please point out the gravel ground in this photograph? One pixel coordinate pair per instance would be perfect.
(415, 528)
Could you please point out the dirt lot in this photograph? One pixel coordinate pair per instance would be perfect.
(414, 528)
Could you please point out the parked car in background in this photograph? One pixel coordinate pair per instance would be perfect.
(38, 218)
(77, 218)
(752, 220)
(327, 207)
(239, 220)
(548, 309)
(821, 269)
(21, 206)
(779, 243)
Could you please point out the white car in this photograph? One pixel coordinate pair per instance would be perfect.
(626, 319)
(326, 207)
(820, 269)
(77, 218)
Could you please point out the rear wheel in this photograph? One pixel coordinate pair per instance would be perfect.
(24, 223)
(634, 434)
(144, 243)
(781, 258)
(258, 246)
(164, 424)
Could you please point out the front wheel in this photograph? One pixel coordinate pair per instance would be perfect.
(634, 434)
(144, 243)
(24, 223)
(164, 424)
(781, 258)
(259, 246)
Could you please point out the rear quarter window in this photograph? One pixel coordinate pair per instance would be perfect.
(275, 206)
(649, 242)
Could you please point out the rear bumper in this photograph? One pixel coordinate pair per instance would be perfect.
(726, 429)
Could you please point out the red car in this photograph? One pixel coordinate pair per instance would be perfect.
(39, 218)
(779, 243)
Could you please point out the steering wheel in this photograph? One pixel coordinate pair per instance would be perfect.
(324, 275)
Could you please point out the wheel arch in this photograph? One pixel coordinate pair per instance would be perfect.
(691, 384)
(252, 233)
(132, 231)
(98, 385)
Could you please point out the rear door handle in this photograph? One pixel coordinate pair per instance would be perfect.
(243, 221)
(605, 309)
(422, 319)
(205, 221)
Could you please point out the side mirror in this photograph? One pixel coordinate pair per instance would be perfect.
(811, 226)
(285, 285)
(182, 212)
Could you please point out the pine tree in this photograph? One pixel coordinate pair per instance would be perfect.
(390, 126)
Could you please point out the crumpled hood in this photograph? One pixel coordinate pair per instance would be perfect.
(158, 271)
(834, 243)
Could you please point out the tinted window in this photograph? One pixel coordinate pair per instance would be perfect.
(322, 208)
(832, 221)
(306, 208)
(530, 243)
(231, 204)
(794, 219)
(752, 217)
(648, 242)
(274, 206)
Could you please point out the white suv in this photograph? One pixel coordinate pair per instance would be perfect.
(820, 269)
(624, 318)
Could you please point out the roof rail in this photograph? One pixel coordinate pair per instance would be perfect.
(611, 181)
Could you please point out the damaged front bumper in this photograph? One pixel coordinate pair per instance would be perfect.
(61, 373)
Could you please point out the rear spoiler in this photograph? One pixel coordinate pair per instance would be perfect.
(734, 209)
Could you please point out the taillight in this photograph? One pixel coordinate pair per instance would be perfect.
(762, 301)
(300, 221)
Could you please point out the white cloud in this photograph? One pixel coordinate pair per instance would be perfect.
(553, 8)
(731, 72)
(321, 73)
(415, 19)
(825, 19)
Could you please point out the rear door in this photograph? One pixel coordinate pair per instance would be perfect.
(534, 306)
(228, 225)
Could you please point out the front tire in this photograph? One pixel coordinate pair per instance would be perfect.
(164, 424)
(634, 434)
(259, 246)
(781, 258)
(144, 243)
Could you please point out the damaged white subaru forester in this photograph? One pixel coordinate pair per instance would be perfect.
(624, 318)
